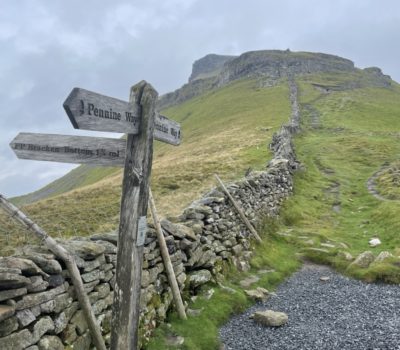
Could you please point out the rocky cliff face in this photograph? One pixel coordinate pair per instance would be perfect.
(213, 71)
(209, 66)
(276, 64)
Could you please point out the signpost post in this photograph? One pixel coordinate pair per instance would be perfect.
(139, 119)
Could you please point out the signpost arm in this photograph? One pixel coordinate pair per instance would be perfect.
(69, 260)
(167, 260)
(135, 191)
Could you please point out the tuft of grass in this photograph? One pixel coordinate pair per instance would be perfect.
(388, 181)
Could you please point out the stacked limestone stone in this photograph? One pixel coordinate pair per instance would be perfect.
(38, 305)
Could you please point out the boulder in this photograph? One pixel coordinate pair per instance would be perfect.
(363, 260)
(383, 256)
(270, 318)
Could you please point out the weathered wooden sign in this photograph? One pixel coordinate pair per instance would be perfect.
(139, 119)
(91, 111)
(70, 149)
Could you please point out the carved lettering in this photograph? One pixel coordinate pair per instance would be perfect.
(103, 113)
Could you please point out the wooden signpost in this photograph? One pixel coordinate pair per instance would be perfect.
(139, 119)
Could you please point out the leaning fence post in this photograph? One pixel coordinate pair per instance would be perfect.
(239, 210)
(167, 260)
(69, 260)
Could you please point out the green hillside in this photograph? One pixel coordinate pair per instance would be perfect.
(348, 135)
(225, 131)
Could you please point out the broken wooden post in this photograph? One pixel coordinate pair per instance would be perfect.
(239, 210)
(167, 260)
(69, 260)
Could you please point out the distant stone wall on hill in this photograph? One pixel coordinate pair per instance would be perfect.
(38, 305)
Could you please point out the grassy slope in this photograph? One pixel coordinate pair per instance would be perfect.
(224, 132)
(81, 176)
(358, 133)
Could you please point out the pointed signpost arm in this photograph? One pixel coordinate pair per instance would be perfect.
(69, 260)
(135, 192)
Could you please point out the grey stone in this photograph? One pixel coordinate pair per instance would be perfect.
(94, 264)
(363, 260)
(48, 306)
(17, 341)
(198, 278)
(50, 342)
(39, 298)
(69, 335)
(110, 248)
(80, 322)
(50, 266)
(92, 276)
(178, 230)
(383, 256)
(12, 281)
(27, 267)
(60, 322)
(103, 290)
(61, 302)
(270, 318)
(41, 327)
(37, 284)
(258, 294)
(83, 342)
(55, 280)
(6, 311)
(174, 340)
(111, 237)
(86, 250)
(25, 317)
(8, 326)
(12, 293)
(248, 281)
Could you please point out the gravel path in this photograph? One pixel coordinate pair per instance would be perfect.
(341, 313)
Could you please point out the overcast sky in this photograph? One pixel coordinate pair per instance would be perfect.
(47, 47)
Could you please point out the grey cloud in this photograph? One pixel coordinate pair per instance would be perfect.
(49, 47)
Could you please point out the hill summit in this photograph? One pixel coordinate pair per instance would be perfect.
(213, 71)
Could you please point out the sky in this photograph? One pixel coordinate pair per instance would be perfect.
(47, 47)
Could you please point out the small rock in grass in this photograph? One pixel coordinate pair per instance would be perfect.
(383, 256)
(374, 242)
(247, 282)
(364, 259)
(258, 294)
(175, 340)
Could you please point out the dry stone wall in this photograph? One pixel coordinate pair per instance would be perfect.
(38, 305)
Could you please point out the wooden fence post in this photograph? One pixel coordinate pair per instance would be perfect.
(167, 260)
(69, 260)
(134, 201)
(239, 210)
